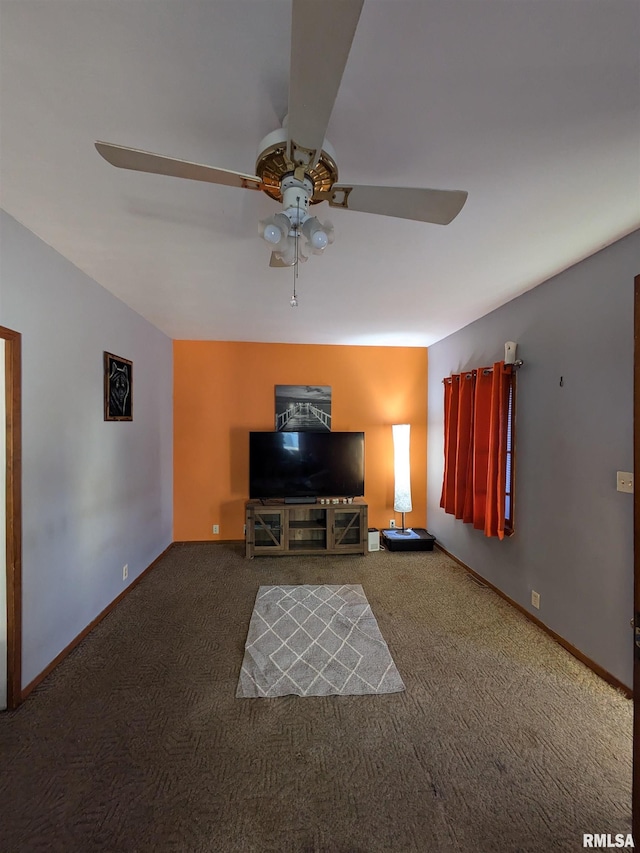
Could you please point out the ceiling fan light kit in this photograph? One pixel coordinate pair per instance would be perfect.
(296, 165)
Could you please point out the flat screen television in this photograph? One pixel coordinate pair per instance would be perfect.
(306, 464)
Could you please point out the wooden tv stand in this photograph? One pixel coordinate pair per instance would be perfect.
(276, 529)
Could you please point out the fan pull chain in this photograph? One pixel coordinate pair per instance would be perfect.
(294, 299)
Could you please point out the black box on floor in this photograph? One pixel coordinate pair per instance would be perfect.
(413, 539)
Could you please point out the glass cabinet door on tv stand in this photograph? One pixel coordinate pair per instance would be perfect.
(265, 529)
(313, 528)
(348, 527)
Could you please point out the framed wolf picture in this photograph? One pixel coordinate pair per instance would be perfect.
(118, 388)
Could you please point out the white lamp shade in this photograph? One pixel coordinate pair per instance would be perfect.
(402, 468)
(286, 252)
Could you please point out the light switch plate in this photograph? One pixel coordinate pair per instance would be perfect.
(625, 481)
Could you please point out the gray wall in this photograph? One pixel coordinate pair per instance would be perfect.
(574, 531)
(96, 495)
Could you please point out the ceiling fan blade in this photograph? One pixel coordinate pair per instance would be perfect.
(321, 36)
(437, 206)
(158, 164)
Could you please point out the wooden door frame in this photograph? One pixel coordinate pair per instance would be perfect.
(635, 798)
(13, 402)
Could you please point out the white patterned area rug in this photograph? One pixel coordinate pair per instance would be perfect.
(315, 641)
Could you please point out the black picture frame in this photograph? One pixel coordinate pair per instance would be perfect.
(118, 388)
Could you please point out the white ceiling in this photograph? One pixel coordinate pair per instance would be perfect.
(533, 106)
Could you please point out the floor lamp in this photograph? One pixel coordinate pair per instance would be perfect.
(402, 471)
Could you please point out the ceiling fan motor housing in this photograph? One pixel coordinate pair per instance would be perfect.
(273, 165)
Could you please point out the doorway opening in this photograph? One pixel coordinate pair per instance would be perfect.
(11, 510)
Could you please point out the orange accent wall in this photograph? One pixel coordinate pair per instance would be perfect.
(225, 389)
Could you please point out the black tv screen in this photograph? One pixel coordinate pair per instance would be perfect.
(306, 464)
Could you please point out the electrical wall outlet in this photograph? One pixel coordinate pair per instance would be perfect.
(125, 572)
(535, 599)
(392, 522)
(216, 529)
(625, 481)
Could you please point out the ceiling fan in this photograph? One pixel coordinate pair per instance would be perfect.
(296, 165)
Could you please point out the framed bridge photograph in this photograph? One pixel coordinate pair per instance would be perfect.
(303, 408)
(118, 388)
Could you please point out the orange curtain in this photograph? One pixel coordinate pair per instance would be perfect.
(451, 397)
(475, 447)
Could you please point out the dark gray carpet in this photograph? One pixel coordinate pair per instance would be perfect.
(501, 741)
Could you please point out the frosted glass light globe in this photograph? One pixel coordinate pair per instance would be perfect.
(272, 234)
(319, 240)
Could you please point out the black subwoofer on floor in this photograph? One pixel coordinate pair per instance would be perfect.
(413, 539)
